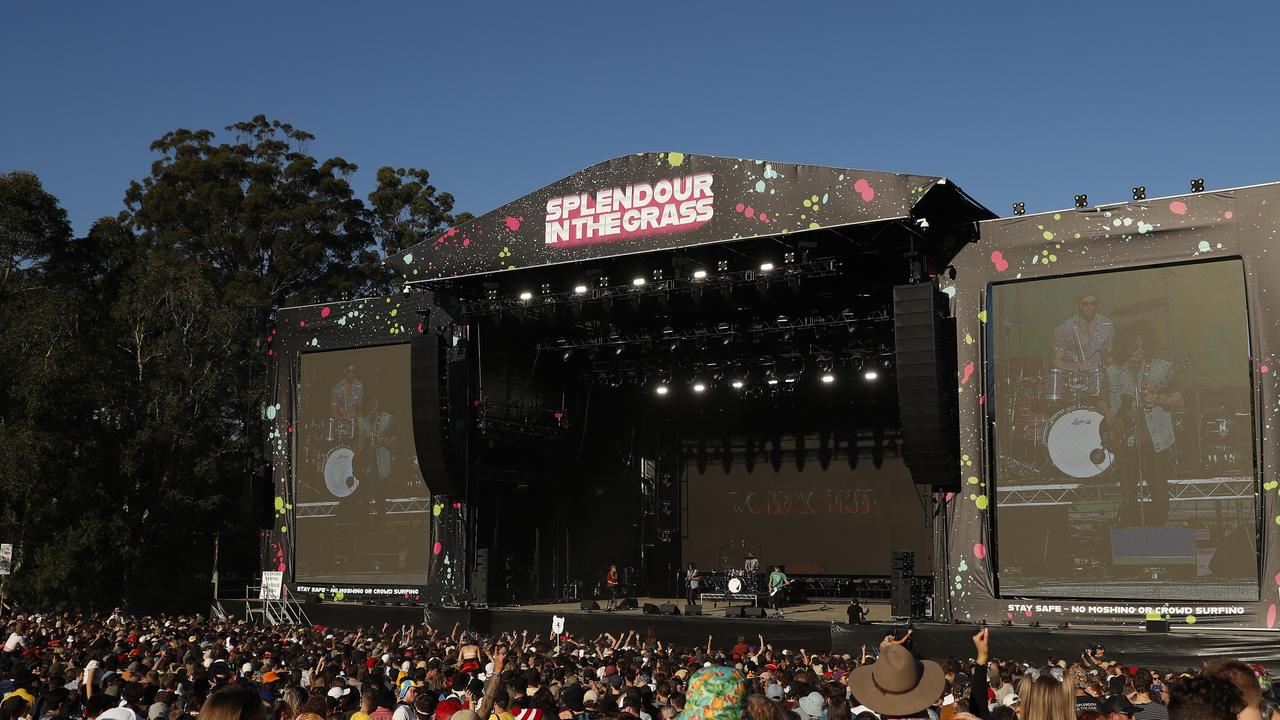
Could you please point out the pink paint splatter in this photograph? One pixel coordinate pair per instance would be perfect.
(1027, 613)
(302, 323)
(466, 242)
(1278, 578)
(997, 259)
(513, 224)
(437, 548)
(271, 352)
(749, 212)
(1177, 207)
(1264, 368)
(979, 550)
(324, 311)
(982, 399)
(1271, 616)
(281, 567)
(764, 217)
(865, 190)
(948, 497)
(739, 207)
(289, 429)
(457, 506)
(1228, 214)
(966, 373)
(1009, 615)
(419, 328)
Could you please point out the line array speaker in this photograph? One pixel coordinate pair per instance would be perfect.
(925, 355)
(429, 386)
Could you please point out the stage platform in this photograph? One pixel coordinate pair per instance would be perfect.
(816, 629)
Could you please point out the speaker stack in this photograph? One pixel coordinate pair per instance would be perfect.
(902, 570)
(925, 356)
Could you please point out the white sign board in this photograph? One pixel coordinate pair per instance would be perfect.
(557, 624)
(6, 558)
(272, 585)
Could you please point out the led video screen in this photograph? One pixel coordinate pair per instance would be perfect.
(362, 508)
(1120, 410)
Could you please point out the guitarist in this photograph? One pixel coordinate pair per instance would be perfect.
(1142, 394)
(777, 596)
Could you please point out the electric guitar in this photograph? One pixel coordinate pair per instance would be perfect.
(1113, 431)
(775, 590)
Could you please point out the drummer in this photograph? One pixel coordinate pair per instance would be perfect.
(1083, 342)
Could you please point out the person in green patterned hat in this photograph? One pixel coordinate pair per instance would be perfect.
(716, 693)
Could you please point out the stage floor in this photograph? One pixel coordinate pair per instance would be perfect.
(810, 612)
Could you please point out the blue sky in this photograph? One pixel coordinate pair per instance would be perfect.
(1010, 100)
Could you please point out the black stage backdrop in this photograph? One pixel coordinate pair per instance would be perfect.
(837, 521)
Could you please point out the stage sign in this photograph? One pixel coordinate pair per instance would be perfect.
(6, 558)
(663, 201)
(272, 585)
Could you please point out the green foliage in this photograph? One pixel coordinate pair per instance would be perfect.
(130, 415)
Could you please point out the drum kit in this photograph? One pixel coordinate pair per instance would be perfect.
(1055, 414)
(328, 447)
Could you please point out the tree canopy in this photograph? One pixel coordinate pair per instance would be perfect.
(130, 425)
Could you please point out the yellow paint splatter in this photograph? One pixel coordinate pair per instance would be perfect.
(814, 226)
(981, 502)
(1057, 216)
(676, 159)
(1048, 235)
(982, 316)
(973, 480)
(968, 339)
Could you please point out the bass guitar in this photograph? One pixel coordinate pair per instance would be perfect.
(775, 590)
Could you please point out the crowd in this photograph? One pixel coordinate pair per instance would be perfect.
(71, 667)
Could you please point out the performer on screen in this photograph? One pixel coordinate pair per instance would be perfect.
(611, 585)
(376, 441)
(777, 590)
(347, 397)
(691, 584)
(1083, 342)
(1143, 393)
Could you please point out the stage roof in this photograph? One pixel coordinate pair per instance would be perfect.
(669, 200)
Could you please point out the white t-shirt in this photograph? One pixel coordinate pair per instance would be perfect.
(14, 642)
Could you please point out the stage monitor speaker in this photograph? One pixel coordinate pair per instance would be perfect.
(1157, 626)
(650, 609)
(430, 411)
(628, 603)
(588, 605)
(692, 609)
(925, 357)
(734, 611)
(753, 612)
(669, 609)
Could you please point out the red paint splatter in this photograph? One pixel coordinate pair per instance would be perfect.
(997, 259)
(324, 311)
(749, 212)
(271, 352)
(302, 323)
(1177, 207)
(979, 550)
(289, 429)
(1228, 214)
(513, 224)
(982, 399)
(437, 548)
(1271, 616)
(865, 190)
(419, 328)
(966, 373)
(273, 331)
(281, 567)
(271, 338)
(457, 506)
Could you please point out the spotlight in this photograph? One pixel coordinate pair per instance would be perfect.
(828, 378)
(662, 390)
(737, 384)
(567, 354)
(1140, 192)
(657, 274)
(526, 296)
(638, 282)
(766, 267)
(772, 381)
(788, 258)
(1019, 208)
(546, 288)
(619, 350)
(604, 281)
(722, 265)
(699, 387)
(699, 274)
(790, 379)
(1197, 185)
(580, 289)
(1082, 200)
(870, 375)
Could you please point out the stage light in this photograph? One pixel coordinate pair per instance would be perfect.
(772, 381)
(1082, 200)
(699, 274)
(766, 267)
(737, 384)
(638, 282)
(1019, 208)
(1140, 192)
(662, 390)
(580, 289)
(1197, 185)
(790, 379)
(870, 375)
(828, 378)
(619, 349)
(788, 258)
(699, 387)
(526, 296)
(604, 281)
(546, 288)
(567, 354)
(722, 265)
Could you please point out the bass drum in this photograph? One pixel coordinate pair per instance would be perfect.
(1074, 441)
(339, 477)
(735, 585)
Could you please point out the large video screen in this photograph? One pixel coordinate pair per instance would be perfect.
(363, 511)
(1123, 433)
(837, 521)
